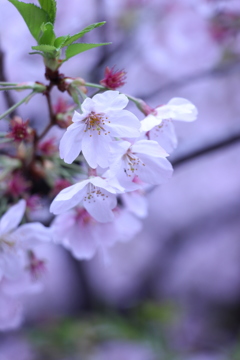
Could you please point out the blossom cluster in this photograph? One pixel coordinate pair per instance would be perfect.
(85, 177)
(120, 157)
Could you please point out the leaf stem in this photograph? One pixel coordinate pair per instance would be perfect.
(100, 87)
(12, 108)
(3, 83)
(95, 86)
(15, 88)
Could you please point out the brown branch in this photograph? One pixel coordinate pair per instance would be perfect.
(7, 95)
(218, 71)
(205, 150)
(196, 153)
(51, 114)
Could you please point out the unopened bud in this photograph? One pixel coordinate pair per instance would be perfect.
(20, 130)
(113, 79)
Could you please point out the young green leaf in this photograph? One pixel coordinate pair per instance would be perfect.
(32, 15)
(36, 53)
(49, 51)
(50, 6)
(75, 49)
(83, 32)
(47, 37)
(58, 43)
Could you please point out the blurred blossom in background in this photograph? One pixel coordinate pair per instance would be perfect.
(173, 292)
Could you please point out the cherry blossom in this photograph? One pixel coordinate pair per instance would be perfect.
(15, 239)
(175, 109)
(80, 233)
(158, 124)
(144, 159)
(96, 195)
(102, 120)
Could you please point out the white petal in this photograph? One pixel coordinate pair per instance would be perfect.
(136, 203)
(123, 123)
(68, 198)
(156, 170)
(100, 207)
(71, 142)
(104, 184)
(88, 105)
(127, 226)
(121, 171)
(77, 236)
(148, 147)
(78, 117)
(83, 241)
(12, 218)
(110, 100)
(30, 233)
(61, 225)
(113, 184)
(96, 149)
(118, 149)
(150, 122)
(165, 135)
(10, 263)
(178, 109)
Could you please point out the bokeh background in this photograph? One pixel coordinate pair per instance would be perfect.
(173, 292)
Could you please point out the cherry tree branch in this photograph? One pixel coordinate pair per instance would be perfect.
(214, 146)
(218, 71)
(7, 95)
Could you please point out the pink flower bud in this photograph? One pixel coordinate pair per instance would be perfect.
(48, 147)
(113, 79)
(20, 130)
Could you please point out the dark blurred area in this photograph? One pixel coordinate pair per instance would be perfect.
(173, 292)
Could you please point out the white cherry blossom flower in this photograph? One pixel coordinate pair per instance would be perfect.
(102, 120)
(95, 194)
(159, 126)
(15, 240)
(145, 159)
(80, 233)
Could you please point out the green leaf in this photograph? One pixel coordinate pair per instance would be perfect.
(75, 49)
(49, 51)
(58, 43)
(36, 53)
(83, 32)
(50, 6)
(32, 15)
(44, 48)
(48, 36)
